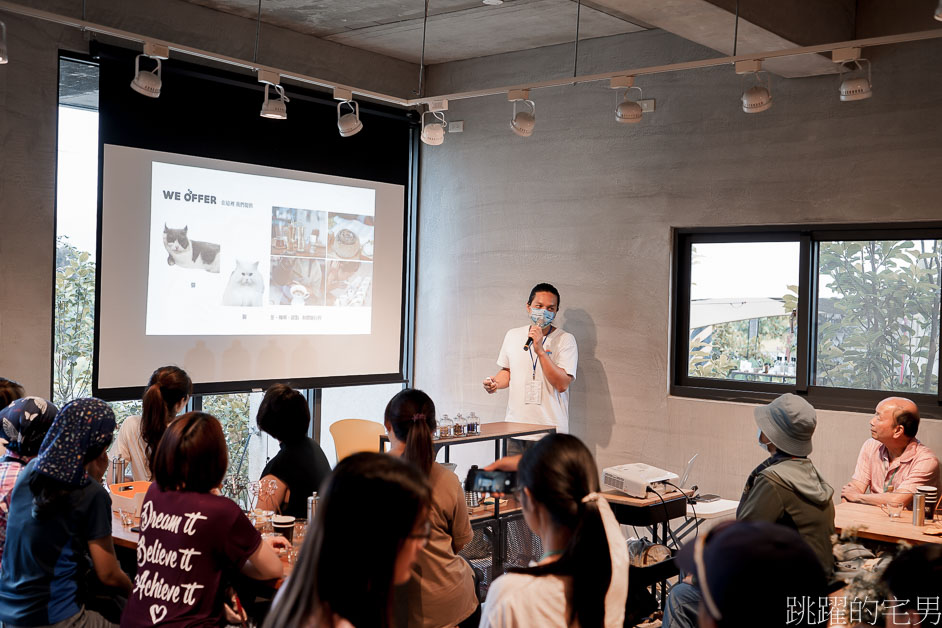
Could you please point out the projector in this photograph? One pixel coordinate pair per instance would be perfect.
(636, 478)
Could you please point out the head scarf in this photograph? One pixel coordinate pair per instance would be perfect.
(24, 424)
(80, 426)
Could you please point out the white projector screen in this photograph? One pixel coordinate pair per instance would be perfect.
(241, 273)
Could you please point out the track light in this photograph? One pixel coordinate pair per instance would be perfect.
(938, 11)
(149, 83)
(856, 87)
(3, 43)
(433, 133)
(349, 123)
(275, 108)
(758, 97)
(522, 122)
(627, 111)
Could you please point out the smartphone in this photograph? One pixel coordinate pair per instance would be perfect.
(480, 481)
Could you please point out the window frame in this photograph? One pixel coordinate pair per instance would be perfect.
(808, 236)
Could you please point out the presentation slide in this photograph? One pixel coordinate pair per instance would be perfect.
(239, 254)
(240, 273)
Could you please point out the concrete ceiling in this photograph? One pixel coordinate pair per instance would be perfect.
(457, 29)
(463, 29)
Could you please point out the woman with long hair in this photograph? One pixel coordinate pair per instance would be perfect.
(191, 536)
(58, 514)
(300, 466)
(168, 390)
(582, 577)
(10, 391)
(24, 425)
(371, 521)
(441, 591)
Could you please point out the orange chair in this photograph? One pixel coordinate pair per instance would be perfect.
(355, 435)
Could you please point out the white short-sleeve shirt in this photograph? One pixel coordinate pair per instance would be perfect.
(553, 408)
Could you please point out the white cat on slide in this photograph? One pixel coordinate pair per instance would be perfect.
(245, 287)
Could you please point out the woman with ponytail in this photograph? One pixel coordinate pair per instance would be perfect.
(441, 590)
(166, 395)
(582, 578)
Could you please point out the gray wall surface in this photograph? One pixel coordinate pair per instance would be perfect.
(588, 205)
(28, 127)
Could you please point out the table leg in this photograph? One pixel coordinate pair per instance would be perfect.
(447, 453)
(496, 449)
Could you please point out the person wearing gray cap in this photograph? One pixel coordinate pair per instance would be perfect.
(786, 488)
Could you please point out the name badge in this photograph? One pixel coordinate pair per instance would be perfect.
(534, 392)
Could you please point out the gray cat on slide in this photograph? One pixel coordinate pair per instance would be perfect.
(188, 253)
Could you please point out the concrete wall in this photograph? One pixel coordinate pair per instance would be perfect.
(28, 101)
(588, 205)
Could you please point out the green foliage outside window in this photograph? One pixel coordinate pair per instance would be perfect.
(880, 330)
(72, 353)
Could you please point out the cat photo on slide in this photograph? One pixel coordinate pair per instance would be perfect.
(187, 253)
(245, 287)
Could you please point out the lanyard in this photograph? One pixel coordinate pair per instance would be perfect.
(888, 482)
(536, 359)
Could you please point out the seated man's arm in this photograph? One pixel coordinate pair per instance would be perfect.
(860, 481)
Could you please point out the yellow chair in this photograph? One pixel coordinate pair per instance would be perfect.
(355, 435)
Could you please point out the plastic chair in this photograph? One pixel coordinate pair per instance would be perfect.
(355, 435)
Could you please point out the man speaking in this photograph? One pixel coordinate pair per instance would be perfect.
(538, 363)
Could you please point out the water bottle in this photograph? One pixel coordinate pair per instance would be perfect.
(311, 508)
(919, 509)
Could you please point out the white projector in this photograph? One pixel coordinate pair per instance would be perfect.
(636, 478)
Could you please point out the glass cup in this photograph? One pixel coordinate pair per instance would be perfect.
(300, 531)
(893, 511)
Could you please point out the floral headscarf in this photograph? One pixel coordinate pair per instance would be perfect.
(80, 426)
(24, 424)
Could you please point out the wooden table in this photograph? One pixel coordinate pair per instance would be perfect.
(872, 523)
(499, 432)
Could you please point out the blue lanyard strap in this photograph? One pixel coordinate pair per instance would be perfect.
(536, 359)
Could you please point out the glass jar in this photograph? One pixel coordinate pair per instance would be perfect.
(460, 425)
(445, 427)
(474, 425)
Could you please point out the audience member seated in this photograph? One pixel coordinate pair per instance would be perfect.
(785, 489)
(57, 515)
(582, 577)
(25, 423)
(893, 463)
(10, 391)
(191, 536)
(300, 466)
(441, 591)
(756, 573)
(371, 523)
(913, 582)
(167, 392)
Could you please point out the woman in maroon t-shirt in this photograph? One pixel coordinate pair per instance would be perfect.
(189, 536)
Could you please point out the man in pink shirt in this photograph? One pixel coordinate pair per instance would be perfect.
(892, 463)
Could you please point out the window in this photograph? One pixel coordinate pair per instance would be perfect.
(843, 315)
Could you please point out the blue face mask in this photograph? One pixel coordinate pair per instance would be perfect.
(541, 318)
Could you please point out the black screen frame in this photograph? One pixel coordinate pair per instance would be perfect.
(385, 151)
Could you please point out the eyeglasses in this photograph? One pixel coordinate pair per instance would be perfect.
(423, 536)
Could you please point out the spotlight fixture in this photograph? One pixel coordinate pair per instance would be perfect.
(856, 87)
(522, 122)
(758, 97)
(627, 111)
(493, 3)
(938, 11)
(275, 108)
(4, 58)
(149, 83)
(433, 133)
(349, 123)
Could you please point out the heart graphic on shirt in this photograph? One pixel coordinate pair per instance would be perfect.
(157, 612)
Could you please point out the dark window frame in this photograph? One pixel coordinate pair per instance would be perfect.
(808, 236)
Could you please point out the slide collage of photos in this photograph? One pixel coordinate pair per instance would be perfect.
(321, 258)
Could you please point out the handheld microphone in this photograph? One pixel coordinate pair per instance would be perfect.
(526, 347)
